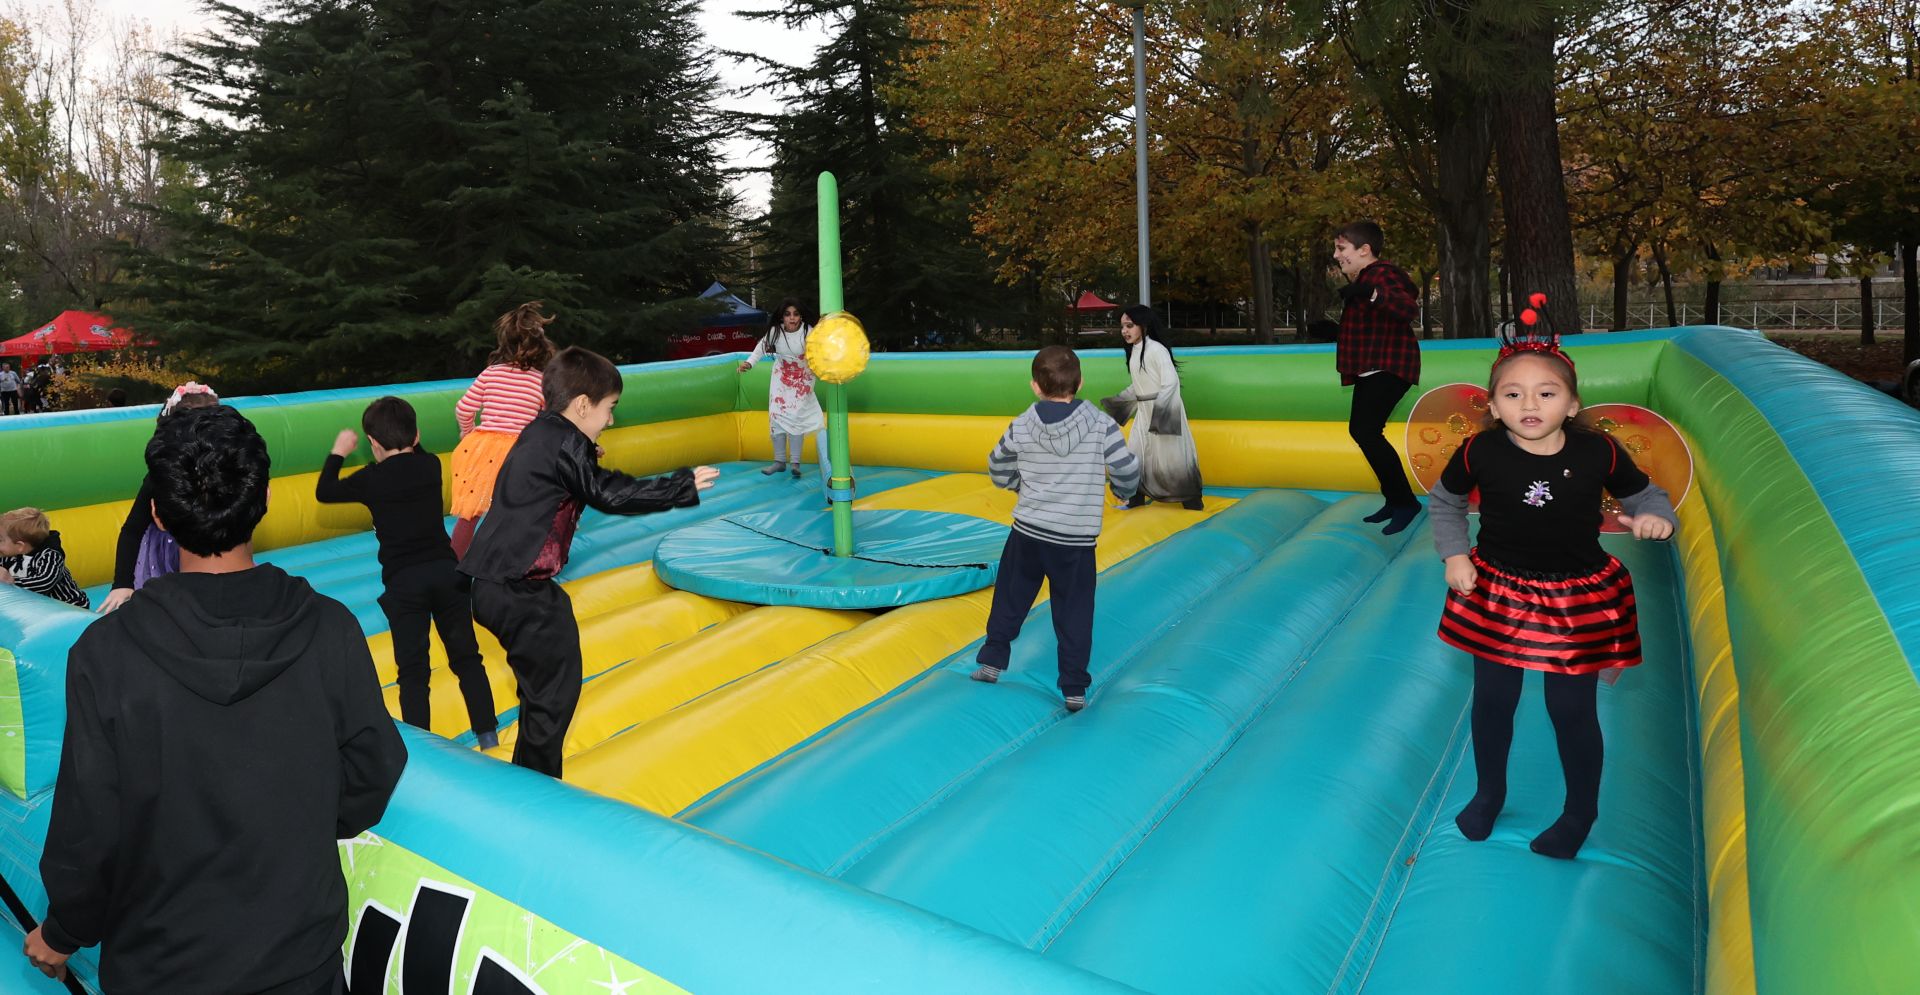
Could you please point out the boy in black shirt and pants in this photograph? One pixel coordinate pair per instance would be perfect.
(224, 729)
(552, 474)
(402, 489)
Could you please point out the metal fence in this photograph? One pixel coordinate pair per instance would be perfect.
(1769, 316)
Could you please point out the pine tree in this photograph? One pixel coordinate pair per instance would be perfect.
(911, 264)
(378, 179)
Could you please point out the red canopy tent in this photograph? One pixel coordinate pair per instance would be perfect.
(72, 331)
(1090, 301)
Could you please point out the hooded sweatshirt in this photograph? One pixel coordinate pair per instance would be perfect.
(1058, 456)
(223, 731)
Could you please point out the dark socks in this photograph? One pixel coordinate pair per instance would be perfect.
(1572, 704)
(1563, 838)
(1385, 512)
(1400, 516)
(1496, 693)
(1476, 820)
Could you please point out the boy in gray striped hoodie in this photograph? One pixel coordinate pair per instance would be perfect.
(1059, 455)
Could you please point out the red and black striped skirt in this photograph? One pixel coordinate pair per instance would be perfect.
(1564, 623)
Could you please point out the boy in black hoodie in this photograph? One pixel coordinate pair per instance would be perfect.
(223, 730)
(551, 474)
(402, 489)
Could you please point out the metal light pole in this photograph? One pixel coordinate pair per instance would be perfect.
(1140, 137)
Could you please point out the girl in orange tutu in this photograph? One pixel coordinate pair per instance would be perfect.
(504, 397)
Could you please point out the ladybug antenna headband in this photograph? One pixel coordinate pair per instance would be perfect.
(1535, 333)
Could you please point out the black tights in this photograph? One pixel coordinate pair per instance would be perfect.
(1576, 728)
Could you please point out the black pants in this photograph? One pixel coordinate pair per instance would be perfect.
(435, 593)
(1373, 399)
(9, 402)
(1571, 704)
(1070, 571)
(533, 619)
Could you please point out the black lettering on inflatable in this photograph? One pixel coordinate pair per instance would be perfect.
(433, 933)
(490, 978)
(372, 949)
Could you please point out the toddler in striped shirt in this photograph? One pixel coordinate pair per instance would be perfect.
(32, 559)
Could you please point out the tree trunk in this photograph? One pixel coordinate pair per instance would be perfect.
(1712, 307)
(1260, 268)
(1623, 259)
(1505, 294)
(1463, 148)
(1866, 308)
(1910, 288)
(1426, 303)
(1315, 298)
(1533, 189)
(1666, 282)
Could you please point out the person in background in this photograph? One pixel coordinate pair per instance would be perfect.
(503, 398)
(1378, 355)
(9, 390)
(224, 730)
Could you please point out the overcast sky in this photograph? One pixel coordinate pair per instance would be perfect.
(717, 19)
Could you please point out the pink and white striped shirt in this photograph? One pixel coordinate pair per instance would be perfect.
(509, 395)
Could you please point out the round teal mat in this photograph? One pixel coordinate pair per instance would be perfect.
(786, 558)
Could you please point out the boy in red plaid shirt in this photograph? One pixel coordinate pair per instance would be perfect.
(1378, 354)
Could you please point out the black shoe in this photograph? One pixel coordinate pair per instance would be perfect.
(1385, 512)
(1137, 501)
(1193, 504)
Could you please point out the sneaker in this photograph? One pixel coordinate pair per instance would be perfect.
(487, 740)
(770, 471)
(988, 675)
(1076, 702)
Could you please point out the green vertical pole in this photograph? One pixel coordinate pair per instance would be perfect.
(832, 299)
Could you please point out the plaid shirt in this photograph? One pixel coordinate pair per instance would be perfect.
(1376, 328)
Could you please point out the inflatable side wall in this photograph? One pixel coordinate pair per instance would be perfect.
(1803, 611)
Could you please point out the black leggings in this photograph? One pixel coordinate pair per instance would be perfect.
(1374, 398)
(1576, 727)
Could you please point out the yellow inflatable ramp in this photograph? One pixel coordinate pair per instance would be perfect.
(670, 762)
(649, 683)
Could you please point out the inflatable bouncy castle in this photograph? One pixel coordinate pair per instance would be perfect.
(1259, 797)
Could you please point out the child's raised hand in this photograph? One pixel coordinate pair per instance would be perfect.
(1461, 574)
(345, 442)
(1646, 526)
(703, 477)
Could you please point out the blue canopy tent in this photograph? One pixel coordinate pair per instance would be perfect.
(738, 313)
(732, 330)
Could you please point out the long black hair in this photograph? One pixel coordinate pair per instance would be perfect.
(779, 317)
(1150, 328)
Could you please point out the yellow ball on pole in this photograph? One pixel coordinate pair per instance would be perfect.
(837, 348)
